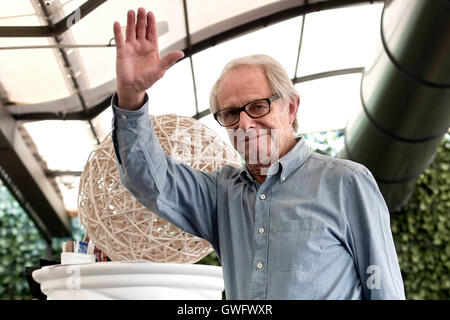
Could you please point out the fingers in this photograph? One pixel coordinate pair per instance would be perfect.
(143, 28)
(131, 27)
(141, 25)
(152, 33)
(170, 59)
(118, 38)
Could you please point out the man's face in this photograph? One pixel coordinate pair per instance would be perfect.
(261, 140)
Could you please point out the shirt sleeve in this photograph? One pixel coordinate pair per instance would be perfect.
(370, 238)
(183, 196)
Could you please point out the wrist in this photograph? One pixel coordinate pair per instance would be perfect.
(130, 101)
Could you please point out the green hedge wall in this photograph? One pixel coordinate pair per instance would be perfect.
(21, 245)
(421, 232)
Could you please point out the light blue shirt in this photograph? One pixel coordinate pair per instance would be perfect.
(317, 228)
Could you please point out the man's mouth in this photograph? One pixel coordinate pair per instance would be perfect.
(255, 136)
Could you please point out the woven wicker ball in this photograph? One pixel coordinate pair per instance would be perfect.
(124, 229)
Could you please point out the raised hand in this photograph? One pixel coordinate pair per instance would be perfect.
(138, 65)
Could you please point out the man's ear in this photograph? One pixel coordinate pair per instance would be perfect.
(293, 108)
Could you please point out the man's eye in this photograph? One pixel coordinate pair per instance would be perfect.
(231, 113)
(257, 107)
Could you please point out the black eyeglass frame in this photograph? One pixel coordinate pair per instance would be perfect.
(243, 108)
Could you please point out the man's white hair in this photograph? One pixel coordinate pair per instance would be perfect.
(274, 71)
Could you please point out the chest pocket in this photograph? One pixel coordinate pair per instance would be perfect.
(297, 245)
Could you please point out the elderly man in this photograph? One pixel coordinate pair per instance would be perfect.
(293, 224)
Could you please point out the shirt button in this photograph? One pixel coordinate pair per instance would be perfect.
(262, 197)
(261, 230)
(259, 265)
(123, 117)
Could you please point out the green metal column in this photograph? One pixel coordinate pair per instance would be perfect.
(405, 98)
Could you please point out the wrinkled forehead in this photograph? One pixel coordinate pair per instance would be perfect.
(241, 85)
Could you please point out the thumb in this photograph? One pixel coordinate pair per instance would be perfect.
(170, 59)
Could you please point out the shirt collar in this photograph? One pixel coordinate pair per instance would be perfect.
(288, 163)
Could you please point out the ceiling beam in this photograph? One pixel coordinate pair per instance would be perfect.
(57, 173)
(89, 114)
(57, 28)
(326, 74)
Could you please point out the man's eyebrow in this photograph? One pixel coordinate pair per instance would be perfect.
(245, 102)
(233, 106)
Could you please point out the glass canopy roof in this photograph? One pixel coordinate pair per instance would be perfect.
(324, 52)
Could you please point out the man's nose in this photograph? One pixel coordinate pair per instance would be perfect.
(246, 122)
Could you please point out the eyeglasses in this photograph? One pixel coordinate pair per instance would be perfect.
(254, 109)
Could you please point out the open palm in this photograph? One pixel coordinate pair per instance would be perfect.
(138, 65)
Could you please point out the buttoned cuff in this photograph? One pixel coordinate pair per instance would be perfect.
(128, 118)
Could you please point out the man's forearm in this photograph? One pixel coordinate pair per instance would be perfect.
(157, 181)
